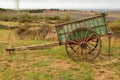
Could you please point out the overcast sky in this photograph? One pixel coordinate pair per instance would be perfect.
(67, 4)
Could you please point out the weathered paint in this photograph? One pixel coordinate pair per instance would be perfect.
(96, 23)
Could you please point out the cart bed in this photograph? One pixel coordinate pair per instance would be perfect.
(97, 23)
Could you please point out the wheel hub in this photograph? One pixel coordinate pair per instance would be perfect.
(83, 45)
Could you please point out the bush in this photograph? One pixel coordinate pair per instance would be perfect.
(56, 17)
(115, 26)
(67, 17)
(8, 16)
(25, 18)
(22, 29)
(53, 17)
(36, 11)
(21, 17)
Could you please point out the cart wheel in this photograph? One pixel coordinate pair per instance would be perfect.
(83, 44)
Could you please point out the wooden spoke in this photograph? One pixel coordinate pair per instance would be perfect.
(89, 37)
(89, 47)
(85, 35)
(94, 40)
(91, 44)
(74, 48)
(72, 42)
(92, 47)
(77, 50)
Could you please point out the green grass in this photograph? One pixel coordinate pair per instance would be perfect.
(8, 39)
(41, 64)
(51, 64)
(44, 65)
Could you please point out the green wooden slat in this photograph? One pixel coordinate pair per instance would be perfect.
(71, 26)
(65, 29)
(93, 23)
(58, 32)
(103, 30)
(79, 24)
(63, 36)
(74, 27)
(98, 23)
(89, 24)
(63, 32)
(76, 24)
(84, 23)
(101, 21)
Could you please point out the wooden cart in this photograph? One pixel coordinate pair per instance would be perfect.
(82, 38)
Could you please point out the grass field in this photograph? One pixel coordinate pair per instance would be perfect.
(54, 64)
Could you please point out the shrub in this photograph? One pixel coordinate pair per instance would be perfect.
(115, 26)
(56, 17)
(53, 17)
(36, 11)
(22, 29)
(67, 17)
(25, 18)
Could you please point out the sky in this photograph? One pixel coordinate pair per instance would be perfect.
(62, 4)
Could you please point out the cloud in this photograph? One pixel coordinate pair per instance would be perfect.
(104, 4)
(70, 5)
(73, 1)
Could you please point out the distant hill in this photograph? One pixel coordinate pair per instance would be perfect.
(2, 10)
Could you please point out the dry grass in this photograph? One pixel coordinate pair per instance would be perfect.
(53, 64)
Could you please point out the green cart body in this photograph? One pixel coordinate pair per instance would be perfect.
(76, 33)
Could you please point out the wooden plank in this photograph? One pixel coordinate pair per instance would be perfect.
(33, 47)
